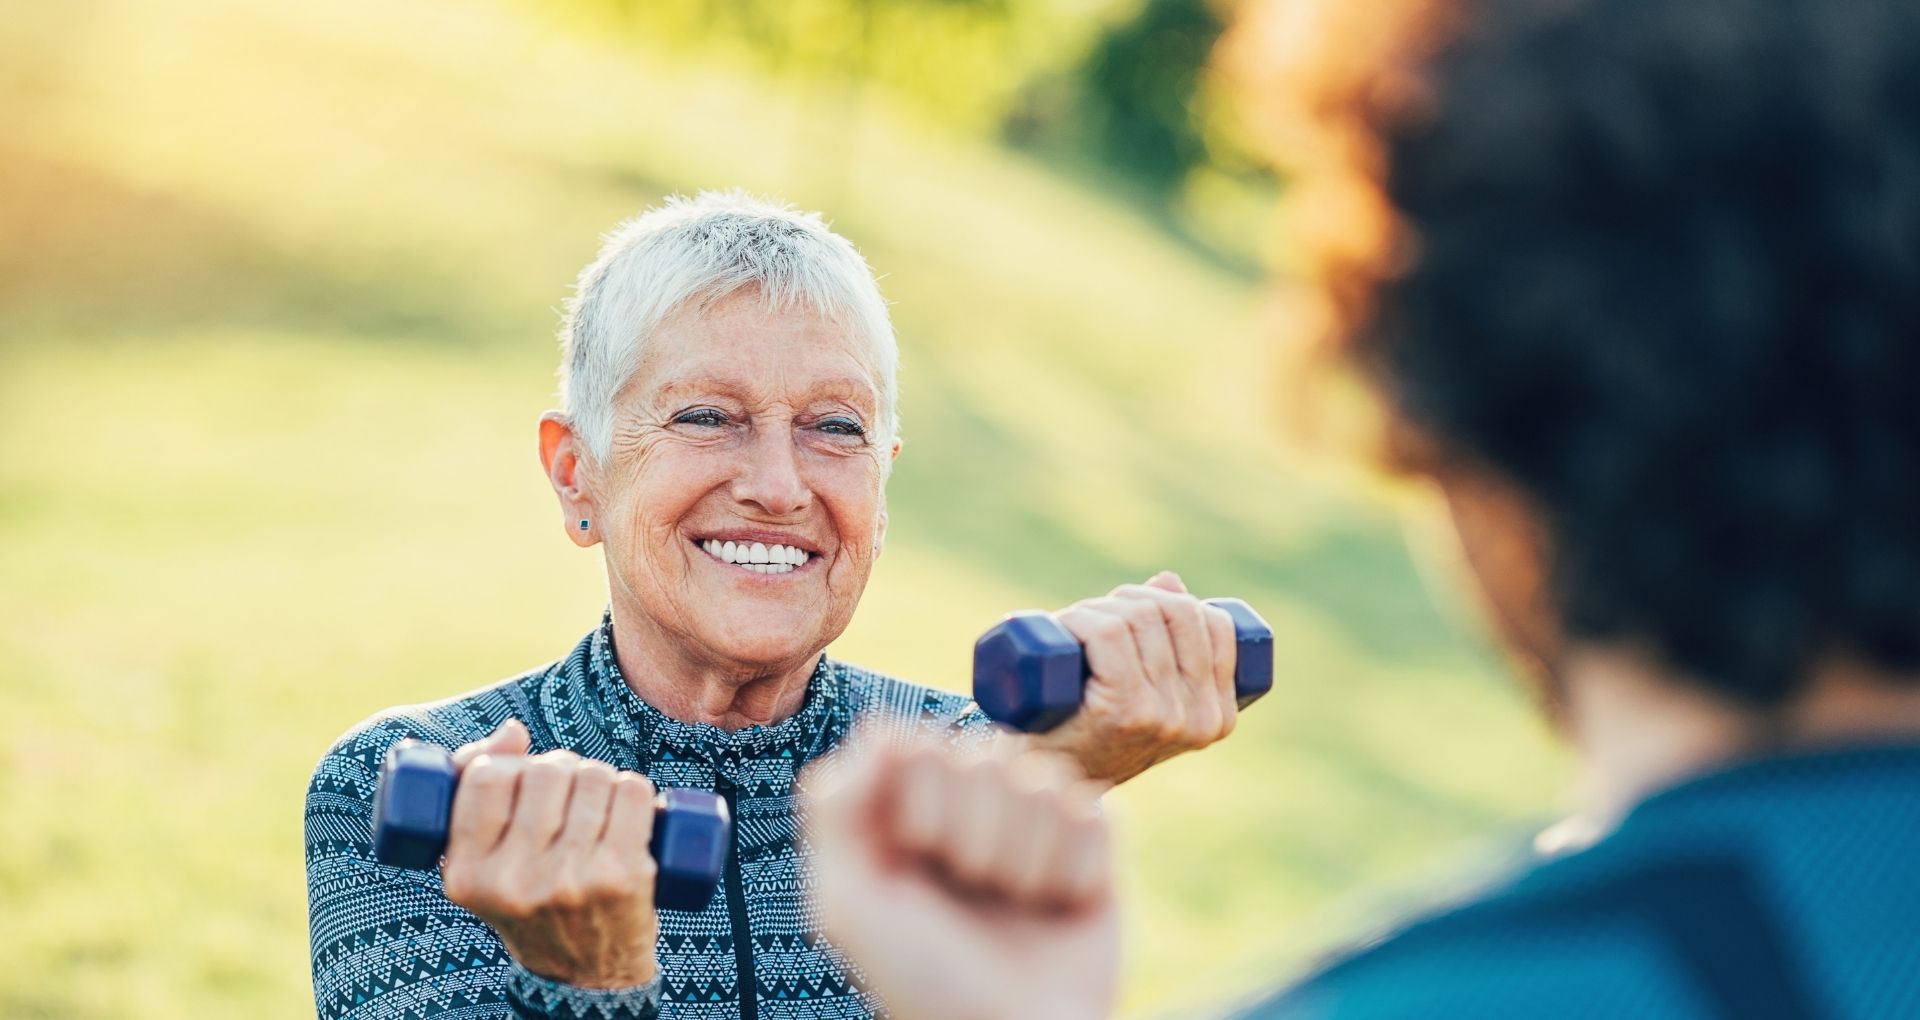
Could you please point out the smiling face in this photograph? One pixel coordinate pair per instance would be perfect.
(742, 498)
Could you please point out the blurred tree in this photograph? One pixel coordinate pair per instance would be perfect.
(1137, 92)
(1117, 91)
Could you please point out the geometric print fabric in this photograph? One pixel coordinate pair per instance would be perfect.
(387, 944)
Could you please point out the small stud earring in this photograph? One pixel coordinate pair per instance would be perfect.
(583, 524)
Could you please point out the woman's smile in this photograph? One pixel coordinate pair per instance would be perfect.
(758, 554)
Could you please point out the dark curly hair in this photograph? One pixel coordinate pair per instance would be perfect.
(1658, 265)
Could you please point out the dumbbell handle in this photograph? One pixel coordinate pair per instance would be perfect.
(413, 806)
(1030, 673)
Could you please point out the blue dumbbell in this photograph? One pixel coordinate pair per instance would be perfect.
(414, 802)
(1029, 674)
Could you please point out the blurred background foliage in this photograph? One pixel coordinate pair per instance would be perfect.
(1116, 93)
(277, 298)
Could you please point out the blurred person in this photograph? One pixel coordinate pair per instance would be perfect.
(729, 423)
(1639, 285)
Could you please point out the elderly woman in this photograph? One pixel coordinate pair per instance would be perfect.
(1640, 284)
(728, 380)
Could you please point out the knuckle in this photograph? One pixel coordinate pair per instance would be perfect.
(591, 774)
(487, 774)
(547, 769)
(633, 784)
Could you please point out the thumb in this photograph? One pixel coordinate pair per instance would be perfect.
(1167, 580)
(511, 738)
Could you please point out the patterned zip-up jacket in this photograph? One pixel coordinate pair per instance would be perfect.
(387, 944)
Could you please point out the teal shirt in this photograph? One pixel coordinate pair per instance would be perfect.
(1788, 887)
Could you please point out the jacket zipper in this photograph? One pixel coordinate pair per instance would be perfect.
(737, 910)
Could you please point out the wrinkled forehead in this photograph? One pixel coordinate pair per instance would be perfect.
(743, 346)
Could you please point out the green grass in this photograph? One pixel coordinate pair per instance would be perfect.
(276, 311)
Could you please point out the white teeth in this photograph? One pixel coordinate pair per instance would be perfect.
(757, 556)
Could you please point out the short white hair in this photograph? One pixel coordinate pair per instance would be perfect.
(689, 253)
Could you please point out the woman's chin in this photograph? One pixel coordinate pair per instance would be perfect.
(769, 643)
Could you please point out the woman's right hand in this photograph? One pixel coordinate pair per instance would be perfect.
(551, 851)
(966, 885)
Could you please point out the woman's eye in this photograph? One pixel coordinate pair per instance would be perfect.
(706, 417)
(843, 427)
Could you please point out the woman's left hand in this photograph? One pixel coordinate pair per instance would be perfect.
(1160, 679)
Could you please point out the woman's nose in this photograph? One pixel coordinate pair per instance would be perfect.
(770, 479)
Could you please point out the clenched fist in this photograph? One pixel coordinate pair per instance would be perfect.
(551, 850)
(965, 885)
(1160, 678)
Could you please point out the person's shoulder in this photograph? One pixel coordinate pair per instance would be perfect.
(354, 758)
(869, 691)
(1593, 934)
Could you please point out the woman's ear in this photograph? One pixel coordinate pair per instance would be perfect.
(880, 531)
(570, 475)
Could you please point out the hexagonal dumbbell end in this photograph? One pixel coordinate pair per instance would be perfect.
(413, 806)
(1027, 672)
(689, 846)
(1253, 651)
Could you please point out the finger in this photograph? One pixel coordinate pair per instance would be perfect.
(1226, 657)
(629, 827)
(545, 782)
(1081, 869)
(974, 798)
(510, 737)
(917, 808)
(1111, 653)
(1167, 580)
(1192, 641)
(591, 794)
(1157, 659)
(1038, 784)
(844, 811)
(483, 804)
(844, 797)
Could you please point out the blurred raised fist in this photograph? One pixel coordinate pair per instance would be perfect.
(966, 885)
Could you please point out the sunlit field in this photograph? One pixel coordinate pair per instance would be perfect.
(277, 302)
